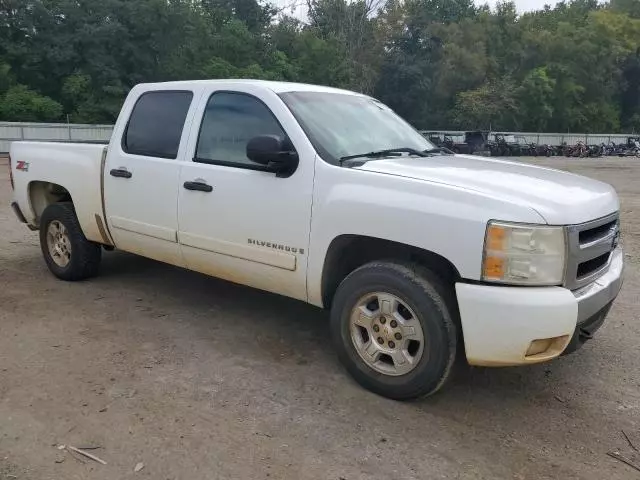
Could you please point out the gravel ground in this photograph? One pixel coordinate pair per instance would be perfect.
(202, 379)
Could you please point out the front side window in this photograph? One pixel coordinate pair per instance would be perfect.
(156, 123)
(229, 122)
(340, 125)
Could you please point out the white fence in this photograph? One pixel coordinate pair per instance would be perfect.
(61, 132)
(546, 138)
(56, 132)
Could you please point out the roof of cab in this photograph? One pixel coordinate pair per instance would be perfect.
(277, 87)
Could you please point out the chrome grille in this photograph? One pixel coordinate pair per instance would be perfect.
(589, 250)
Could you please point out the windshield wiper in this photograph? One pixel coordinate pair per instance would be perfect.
(440, 150)
(385, 153)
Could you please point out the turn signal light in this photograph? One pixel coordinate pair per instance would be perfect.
(496, 235)
(493, 267)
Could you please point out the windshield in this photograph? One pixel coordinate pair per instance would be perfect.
(341, 125)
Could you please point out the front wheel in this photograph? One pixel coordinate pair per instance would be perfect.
(393, 329)
(67, 252)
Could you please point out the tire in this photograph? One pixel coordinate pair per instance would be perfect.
(82, 257)
(427, 302)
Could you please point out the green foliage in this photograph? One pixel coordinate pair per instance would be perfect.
(573, 67)
(632, 7)
(6, 79)
(24, 105)
(439, 63)
(535, 99)
(492, 105)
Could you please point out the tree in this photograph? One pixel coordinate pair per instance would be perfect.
(439, 63)
(630, 7)
(535, 99)
(351, 26)
(440, 11)
(491, 106)
(630, 92)
(24, 105)
(254, 15)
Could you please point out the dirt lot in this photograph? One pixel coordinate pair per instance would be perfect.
(201, 379)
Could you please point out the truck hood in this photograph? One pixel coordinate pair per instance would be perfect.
(561, 198)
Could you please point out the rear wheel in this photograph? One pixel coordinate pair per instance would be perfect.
(67, 252)
(393, 329)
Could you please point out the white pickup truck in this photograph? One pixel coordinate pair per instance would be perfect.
(328, 197)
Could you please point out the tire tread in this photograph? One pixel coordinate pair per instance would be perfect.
(443, 299)
(85, 255)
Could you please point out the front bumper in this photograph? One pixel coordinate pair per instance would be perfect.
(500, 323)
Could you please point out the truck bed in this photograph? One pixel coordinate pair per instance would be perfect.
(40, 169)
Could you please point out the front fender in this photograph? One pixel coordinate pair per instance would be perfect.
(446, 220)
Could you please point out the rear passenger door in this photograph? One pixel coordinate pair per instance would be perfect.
(142, 172)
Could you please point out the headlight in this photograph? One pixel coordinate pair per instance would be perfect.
(523, 254)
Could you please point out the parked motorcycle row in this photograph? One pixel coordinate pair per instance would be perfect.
(499, 144)
(630, 149)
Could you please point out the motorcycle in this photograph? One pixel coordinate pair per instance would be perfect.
(580, 150)
(594, 151)
(547, 150)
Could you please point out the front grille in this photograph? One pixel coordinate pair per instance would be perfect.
(594, 234)
(590, 266)
(589, 249)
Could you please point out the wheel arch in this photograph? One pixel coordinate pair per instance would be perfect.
(348, 252)
(42, 194)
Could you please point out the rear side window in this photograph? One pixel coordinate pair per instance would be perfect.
(156, 124)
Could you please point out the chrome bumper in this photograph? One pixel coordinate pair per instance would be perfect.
(602, 291)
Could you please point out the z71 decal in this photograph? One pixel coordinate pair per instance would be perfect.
(22, 165)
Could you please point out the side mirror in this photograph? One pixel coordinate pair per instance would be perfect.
(275, 153)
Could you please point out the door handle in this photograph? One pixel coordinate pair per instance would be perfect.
(120, 173)
(198, 186)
